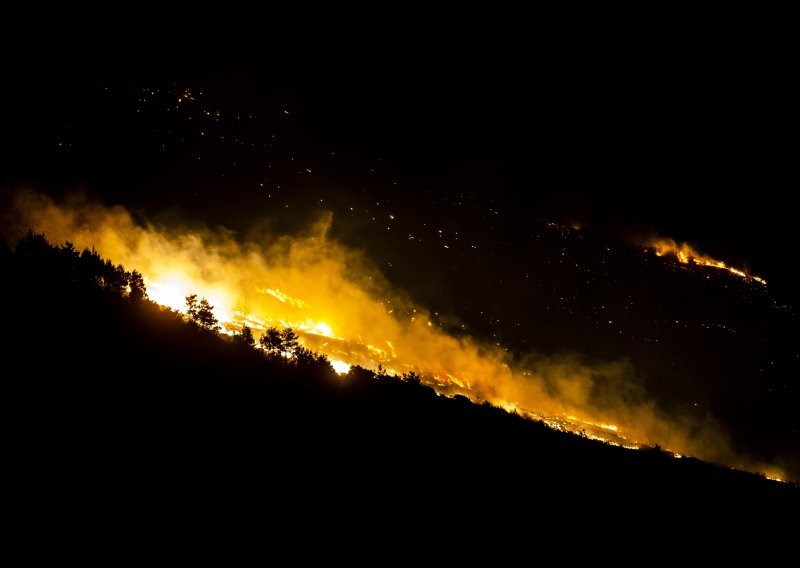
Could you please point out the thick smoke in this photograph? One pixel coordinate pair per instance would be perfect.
(347, 310)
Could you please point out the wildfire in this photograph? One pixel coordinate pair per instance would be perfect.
(336, 301)
(285, 298)
(340, 367)
(170, 292)
(342, 353)
(685, 254)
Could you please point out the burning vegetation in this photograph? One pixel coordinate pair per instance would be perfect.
(301, 295)
(686, 254)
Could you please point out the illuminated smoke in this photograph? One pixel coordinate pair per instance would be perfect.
(685, 254)
(341, 306)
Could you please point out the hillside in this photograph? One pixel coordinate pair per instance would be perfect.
(111, 399)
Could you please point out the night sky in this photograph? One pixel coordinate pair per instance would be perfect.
(504, 177)
(684, 131)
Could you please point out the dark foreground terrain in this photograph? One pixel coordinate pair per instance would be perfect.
(118, 407)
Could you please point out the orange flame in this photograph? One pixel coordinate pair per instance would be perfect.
(685, 254)
(343, 308)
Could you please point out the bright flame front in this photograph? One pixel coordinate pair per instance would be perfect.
(685, 254)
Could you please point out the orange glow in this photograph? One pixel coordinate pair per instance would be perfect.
(685, 254)
(342, 307)
(774, 477)
(340, 367)
(170, 291)
(285, 298)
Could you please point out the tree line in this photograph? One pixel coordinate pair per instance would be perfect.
(89, 270)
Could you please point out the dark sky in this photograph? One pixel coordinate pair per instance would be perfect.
(680, 125)
(685, 127)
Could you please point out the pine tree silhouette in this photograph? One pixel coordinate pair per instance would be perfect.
(271, 341)
(202, 313)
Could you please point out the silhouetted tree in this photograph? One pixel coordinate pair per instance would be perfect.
(304, 357)
(191, 307)
(114, 278)
(138, 292)
(271, 341)
(412, 377)
(245, 337)
(69, 256)
(90, 267)
(205, 316)
(69, 251)
(38, 258)
(309, 360)
(290, 343)
(33, 245)
(202, 313)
